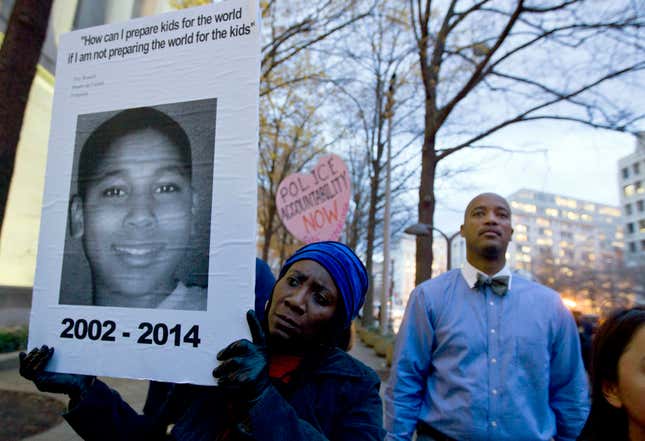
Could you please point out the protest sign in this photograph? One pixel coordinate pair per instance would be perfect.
(147, 242)
(313, 206)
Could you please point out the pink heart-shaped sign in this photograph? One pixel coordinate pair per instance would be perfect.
(314, 206)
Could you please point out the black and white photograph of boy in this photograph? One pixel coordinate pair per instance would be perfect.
(139, 212)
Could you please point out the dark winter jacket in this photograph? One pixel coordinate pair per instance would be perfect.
(332, 396)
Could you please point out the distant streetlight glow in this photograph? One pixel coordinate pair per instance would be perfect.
(569, 303)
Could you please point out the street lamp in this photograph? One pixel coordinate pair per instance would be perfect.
(387, 282)
(426, 230)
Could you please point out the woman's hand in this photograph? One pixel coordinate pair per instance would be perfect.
(32, 367)
(244, 371)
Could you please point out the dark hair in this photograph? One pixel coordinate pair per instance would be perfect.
(124, 123)
(607, 422)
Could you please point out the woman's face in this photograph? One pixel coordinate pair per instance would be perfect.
(629, 393)
(304, 302)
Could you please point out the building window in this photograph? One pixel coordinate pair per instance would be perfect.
(643, 245)
(609, 211)
(528, 208)
(639, 187)
(553, 212)
(544, 241)
(629, 190)
(625, 173)
(630, 228)
(641, 225)
(565, 202)
(637, 168)
(639, 205)
(628, 209)
(542, 222)
(632, 247)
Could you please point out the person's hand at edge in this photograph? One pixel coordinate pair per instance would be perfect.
(32, 367)
(244, 368)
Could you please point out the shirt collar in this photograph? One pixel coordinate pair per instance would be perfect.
(469, 272)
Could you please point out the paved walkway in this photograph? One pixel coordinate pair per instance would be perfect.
(369, 357)
(133, 391)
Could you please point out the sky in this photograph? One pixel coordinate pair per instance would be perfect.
(568, 159)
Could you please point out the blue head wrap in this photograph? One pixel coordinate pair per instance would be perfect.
(344, 267)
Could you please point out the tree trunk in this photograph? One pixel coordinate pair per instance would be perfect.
(351, 228)
(285, 248)
(269, 229)
(19, 55)
(424, 256)
(368, 315)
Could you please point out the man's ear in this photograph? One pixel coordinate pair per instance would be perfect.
(511, 238)
(76, 219)
(610, 391)
(461, 230)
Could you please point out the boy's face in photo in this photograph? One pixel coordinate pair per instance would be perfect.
(136, 216)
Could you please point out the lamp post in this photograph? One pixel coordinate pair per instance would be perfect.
(385, 291)
(426, 230)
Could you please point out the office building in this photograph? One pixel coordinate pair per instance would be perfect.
(572, 245)
(631, 178)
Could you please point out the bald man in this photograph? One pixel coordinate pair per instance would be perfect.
(483, 354)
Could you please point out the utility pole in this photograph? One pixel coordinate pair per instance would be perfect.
(385, 291)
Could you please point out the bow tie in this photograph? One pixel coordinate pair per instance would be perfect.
(498, 284)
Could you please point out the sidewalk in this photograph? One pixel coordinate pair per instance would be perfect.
(369, 357)
(133, 391)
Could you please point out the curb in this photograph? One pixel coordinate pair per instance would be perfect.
(9, 361)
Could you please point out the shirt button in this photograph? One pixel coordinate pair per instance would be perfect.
(494, 391)
(492, 331)
(492, 303)
(493, 423)
(493, 360)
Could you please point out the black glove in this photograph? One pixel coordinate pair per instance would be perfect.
(244, 369)
(32, 367)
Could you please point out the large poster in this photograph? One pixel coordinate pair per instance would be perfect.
(147, 243)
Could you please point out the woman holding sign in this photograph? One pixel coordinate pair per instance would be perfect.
(293, 384)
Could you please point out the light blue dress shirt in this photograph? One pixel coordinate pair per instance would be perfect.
(478, 366)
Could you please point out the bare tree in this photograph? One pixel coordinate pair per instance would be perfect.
(19, 55)
(376, 96)
(293, 90)
(293, 29)
(486, 65)
(604, 285)
(289, 139)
